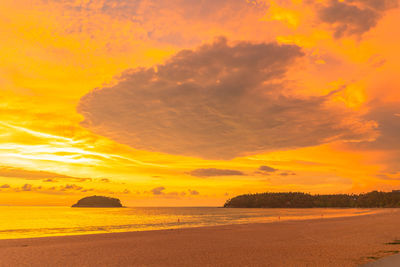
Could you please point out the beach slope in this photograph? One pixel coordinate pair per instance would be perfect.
(347, 241)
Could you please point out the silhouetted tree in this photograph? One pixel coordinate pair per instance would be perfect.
(373, 199)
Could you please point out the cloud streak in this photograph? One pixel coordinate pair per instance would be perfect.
(67, 189)
(19, 173)
(210, 172)
(265, 168)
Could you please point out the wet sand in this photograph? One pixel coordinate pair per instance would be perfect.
(390, 261)
(349, 241)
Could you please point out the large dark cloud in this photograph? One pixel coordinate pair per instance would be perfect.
(218, 101)
(354, 16)
(209, 172)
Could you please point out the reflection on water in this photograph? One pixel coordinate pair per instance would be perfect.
(22, 222)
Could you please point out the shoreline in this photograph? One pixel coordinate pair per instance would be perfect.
(278, 219)
(343, 241)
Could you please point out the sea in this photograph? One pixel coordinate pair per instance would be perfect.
(33, 221)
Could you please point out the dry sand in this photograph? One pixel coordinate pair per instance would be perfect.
(347, 241)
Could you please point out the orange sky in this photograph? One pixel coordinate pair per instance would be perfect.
(180, 103)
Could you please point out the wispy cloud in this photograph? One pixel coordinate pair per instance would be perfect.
(11, 172)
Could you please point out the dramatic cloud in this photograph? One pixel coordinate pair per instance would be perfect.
(219, 102)
(354, 16)
(158, 190)
(214, 172)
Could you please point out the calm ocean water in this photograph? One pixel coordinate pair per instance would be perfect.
(23, 222)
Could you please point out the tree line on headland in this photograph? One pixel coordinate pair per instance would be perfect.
(372, 199)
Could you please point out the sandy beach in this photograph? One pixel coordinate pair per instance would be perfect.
(349, 241)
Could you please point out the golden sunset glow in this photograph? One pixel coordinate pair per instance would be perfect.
(171, 103)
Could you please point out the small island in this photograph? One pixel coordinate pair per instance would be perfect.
(98, 202)
(372, 199)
